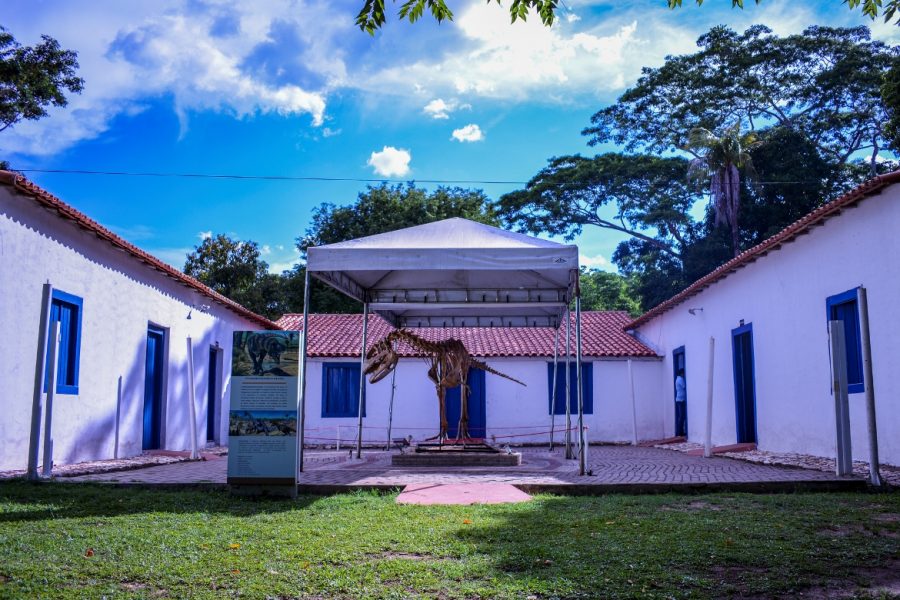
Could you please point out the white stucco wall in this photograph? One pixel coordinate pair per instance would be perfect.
(783, 295)
(511, 410)
(121, 297)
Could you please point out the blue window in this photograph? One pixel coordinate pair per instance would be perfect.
(587, 375)
(340, 390)
(843, 307)
(66, 309)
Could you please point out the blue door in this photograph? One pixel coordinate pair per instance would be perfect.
(476, 403)
(744, 383)
(153, 388)
(212, 387)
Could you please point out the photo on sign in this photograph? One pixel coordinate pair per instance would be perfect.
(274, 353)
(271, 423)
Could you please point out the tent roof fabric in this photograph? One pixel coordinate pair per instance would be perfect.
(453, 272)
(340, 336)
(788, 234)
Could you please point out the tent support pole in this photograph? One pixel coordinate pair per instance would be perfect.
(568, 386)
(553, 387)
(387, 446)
(362, 380)
(303, 348)
(580, 384)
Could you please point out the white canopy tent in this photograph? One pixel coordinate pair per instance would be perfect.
(451, 273)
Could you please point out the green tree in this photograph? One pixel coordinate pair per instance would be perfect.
(890, 95)
(372, 15)
(602, 290)
(719, 162)
(645, 197)
(824, 83)
(234, 269)
(33, 78)
(380, 209)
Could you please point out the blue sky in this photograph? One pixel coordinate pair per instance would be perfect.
(291, 87)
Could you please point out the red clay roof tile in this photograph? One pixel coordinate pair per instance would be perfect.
(788, 234)
(603, 336)
(47, 200)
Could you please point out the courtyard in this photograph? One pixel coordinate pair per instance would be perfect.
(610, 467)
(85, 540)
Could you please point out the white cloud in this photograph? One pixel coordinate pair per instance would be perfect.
(169, 49)
(469, 133)
(329, 132)
(598, 261)
(572, 18)
(390, 162)
(204, 235)
(439, 109)
(265, 250)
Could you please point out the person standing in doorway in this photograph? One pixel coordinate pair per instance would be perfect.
(680, 404)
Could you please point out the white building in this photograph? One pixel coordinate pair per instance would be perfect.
(768, 310)
(123, 314)
(499, 408)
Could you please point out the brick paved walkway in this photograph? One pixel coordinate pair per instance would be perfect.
(610, 466)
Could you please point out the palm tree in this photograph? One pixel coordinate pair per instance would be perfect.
(719, 161)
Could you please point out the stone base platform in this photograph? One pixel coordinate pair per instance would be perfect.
(476, 454)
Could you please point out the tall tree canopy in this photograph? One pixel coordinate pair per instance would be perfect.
(813, 106)
(234, 269)
(646, 197)
(373, 14)
(718, 165)
(33, 78)
(602, 290)
(378, 210)
(824, 83)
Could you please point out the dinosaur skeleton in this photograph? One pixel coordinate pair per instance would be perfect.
(450, 363)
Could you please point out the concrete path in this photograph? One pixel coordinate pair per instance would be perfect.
(610, 468)
(462, 493)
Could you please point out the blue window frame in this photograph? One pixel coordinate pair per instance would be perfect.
(559, 403)
(340, 390)
(844, 307)
(66, 309)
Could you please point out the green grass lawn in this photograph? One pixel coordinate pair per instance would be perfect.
(87, 541)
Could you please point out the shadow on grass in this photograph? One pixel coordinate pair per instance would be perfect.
(35, 501)
(684, 546)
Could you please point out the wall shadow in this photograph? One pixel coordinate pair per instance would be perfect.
(35, 501)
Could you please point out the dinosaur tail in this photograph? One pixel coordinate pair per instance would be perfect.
(484, 367)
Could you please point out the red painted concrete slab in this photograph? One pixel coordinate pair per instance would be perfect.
(461, 493)
(746, 447)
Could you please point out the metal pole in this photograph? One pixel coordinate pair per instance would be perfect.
(303, 345)
(391, 405)
(118, 417)
(843, 456)
(195, 454)
(634, 432)
(553, 387)
(47, 465)
(362, 380)
(582, 451)
(568, 385)
(39, 376)
(869, 383)
(707, 439)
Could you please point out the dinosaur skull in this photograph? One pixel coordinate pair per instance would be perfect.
(380, 360)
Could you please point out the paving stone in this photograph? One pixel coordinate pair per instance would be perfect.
(625, 465)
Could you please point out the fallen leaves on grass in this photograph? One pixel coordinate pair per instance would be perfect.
(89, 553)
